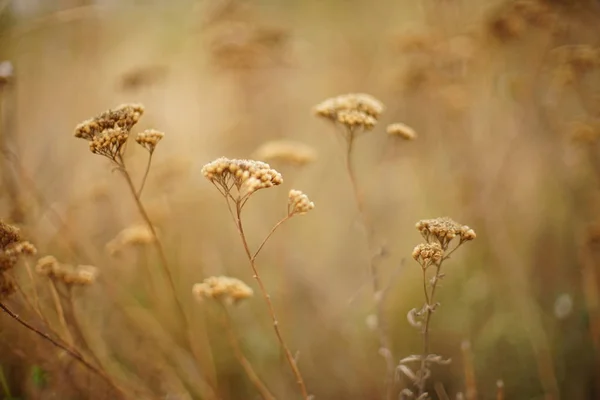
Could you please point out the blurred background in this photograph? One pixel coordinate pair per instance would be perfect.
(503, 95)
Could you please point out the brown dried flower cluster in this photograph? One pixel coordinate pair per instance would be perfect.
(149, 139)
(137, 235)
(222, 288)
(402, 131)
(286, 151)
(12, 248)
(81, 275)
(443, 230)
(125, 117)
(299, 203)
(247, 176)
(108, 132)
(428, 253)
(353, 110)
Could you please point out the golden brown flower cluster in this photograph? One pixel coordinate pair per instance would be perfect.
(443, 230)
(247, 176)
(427, 254)
(353, 110)
(124, 117)
(81, 275)
(222, 288)
(149, 139)
(12, 249)
(402, 131)
(109, 143)
(286, 151)
(299, 203)
(137, 235)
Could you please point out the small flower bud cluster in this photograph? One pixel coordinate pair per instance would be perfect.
(137, 235)
(124, 117)
(12, 249)
(299, 203)
(82, 275)
(444, 230)
(149, 139)
(222, 288)
(402, 131)
(247, 176)
(353, 110)
(428, 253)
(109, 143)
(286, 151)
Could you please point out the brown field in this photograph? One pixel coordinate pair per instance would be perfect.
(500, 106)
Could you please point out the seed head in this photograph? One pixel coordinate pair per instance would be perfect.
(247, 176)
(137, 235)
(82, 275)
(123, 117)
(365, 103)
(222, 288)
(149, 139)
(286, 151)
(428, 253)
(47, 266)
(109, 143)
(402, 131)
(299, 203)
(8, 234)
(443, 230)
(354, 119)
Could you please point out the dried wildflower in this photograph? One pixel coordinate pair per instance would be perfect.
(149, 139)
(137, 235)
(403, 131)
(222, 288)
(122, 117)
(8, 234)
(7, 286)
(247, 176)
(444, 230)
(109, 143)
(82, 275)
(47, 266)
(286, 151)
(428, 253)
(299, 203)
(354, 119)
(361, 102)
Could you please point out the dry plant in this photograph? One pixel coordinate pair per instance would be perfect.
(228, 291)
(439, 234)
(237, 180)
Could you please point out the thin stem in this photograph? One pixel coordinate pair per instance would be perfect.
(429, 307)
(269, 235)
(382, 326)
(239, 354)
(36, 297)
(139, 192)
(71, 352)
(60, 313)
(267, 297)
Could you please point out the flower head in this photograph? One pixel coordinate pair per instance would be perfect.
(286, 151)
(149, 139)
(428, 253)
(402, 131)
(299, 203)
(123, 117)
(109, 143)
(247, 176)
(136, 235)
(222, 288)
(443, 230)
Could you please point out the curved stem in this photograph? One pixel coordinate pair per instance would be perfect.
(139, 192)
(288, 354)
(239, 354)
(269, 235)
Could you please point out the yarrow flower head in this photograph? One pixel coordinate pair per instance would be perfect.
(82, 275)
(443, 230)
(136, 235)
(247, 176)
(286, 151)
(402, 131)
(110, 143)
(12, 249)
(299, 203)
(222, 288)
(149, 139)
(428, 253)
(353, 110)
(123, 117)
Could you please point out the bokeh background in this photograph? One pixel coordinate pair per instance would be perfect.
(505, 99)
